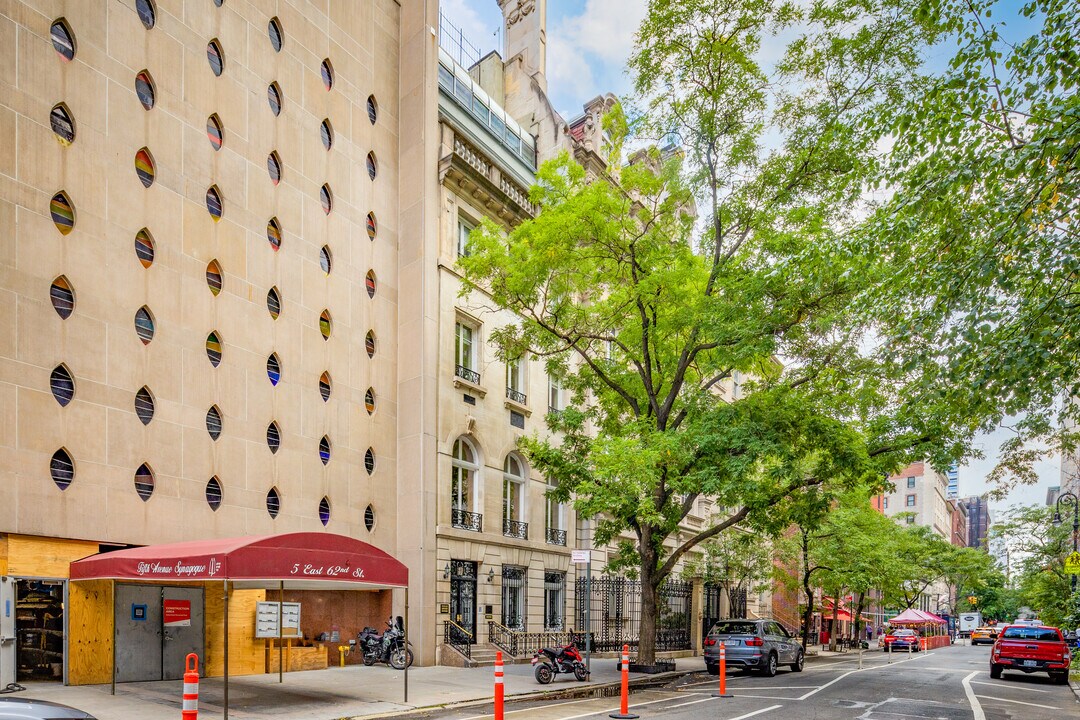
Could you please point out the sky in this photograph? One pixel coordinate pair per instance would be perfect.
(589, 42)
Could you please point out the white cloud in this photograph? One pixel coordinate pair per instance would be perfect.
(588, 50)
(605, 28)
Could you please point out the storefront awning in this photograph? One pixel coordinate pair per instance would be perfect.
(302, 561)
(911, 616)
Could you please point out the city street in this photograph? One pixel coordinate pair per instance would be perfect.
(947, 684)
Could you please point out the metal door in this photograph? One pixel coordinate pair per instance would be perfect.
(181, 605)
(463, 597)
(137, 612)
(7, 631)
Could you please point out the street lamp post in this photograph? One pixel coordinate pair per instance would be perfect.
(1069, 498)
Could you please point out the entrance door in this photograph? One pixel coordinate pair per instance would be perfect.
(182, 630)
(156, 628)
(138, 633)
(463, 597)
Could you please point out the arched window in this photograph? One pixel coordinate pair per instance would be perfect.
(513, 500)
(463, 485)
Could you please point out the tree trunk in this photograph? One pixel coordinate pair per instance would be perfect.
(858, 619)
(835, 619)
(808, 614)
(650, 585)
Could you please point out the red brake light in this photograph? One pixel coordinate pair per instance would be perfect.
(709, 642)
(755, 642)
(890, 638)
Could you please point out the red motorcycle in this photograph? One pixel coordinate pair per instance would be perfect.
(549, 662)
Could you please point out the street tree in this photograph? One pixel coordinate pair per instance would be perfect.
(981, 227)
(1040, 548)
(726, 363)
(740, 560)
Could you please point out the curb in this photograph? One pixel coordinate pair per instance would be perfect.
(1075, 688)
(609, 689)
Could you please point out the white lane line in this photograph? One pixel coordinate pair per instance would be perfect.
(757, 712)
(692, 702)
(1018, 702)
(616, 709)
(852, 672)
(765, 697)
(1011, 686)
(976, 708)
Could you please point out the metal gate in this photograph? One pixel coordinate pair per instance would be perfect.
(463, 599)
(616, 613)
(710, 606)
(156, 627)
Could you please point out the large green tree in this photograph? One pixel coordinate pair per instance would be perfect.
(669, 336)
(982, 227)
(1037, 550)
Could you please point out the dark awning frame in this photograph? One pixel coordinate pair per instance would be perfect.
(293, 561)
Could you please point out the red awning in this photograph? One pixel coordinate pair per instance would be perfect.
(302, 560)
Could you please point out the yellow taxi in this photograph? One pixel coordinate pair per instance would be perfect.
(984, 635)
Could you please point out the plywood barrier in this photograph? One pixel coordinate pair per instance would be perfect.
(247, 656)
(30, 556)
(3, 555)
(90, 632)
(296, 658)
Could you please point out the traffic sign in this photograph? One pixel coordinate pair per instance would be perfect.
(580, 557)
(1072, 564)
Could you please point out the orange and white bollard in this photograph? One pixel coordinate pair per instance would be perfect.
(722, 667)
(624, 708)
(191, 688)
(498, 686)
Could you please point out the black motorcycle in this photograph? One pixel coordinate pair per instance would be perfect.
(387, 647)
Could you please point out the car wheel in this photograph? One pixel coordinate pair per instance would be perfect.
(713, 669)
(995, 671)
(797, 666)
(769, 669)
(1061, 678)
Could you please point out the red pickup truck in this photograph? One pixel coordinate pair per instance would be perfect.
(1031, 649)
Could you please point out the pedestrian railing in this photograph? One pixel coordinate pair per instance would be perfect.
(458, 638)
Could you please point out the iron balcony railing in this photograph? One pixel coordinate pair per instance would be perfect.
(458, 638)
(467, 375)
(556, 537)
(514, 396)
(515, 529)
(467, 520)
(519, 643)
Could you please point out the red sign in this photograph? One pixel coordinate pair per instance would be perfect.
(176, 613)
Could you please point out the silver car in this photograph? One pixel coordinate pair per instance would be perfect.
(17, 708)
(761, 645)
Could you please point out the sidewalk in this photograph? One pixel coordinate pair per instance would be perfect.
(353, 691)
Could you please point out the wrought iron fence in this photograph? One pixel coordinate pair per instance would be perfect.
(514, 396)
(556, 537)
(519, 644)
(616, 613)
(467, 520)
(467, 375)
(515, 529)
(457, 637)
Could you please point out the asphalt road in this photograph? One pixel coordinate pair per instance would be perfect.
(947, 684)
